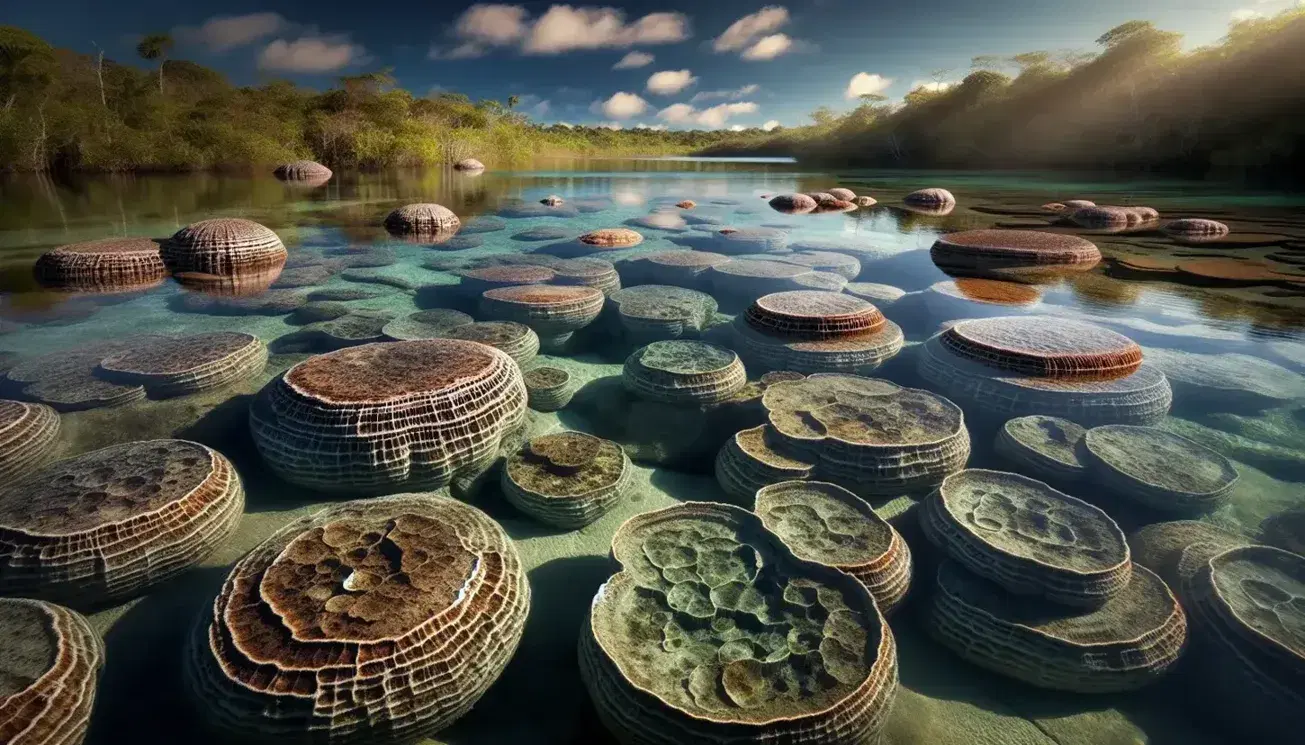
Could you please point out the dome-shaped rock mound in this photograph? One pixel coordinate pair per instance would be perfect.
(793, 204)
(382, 417)
(684, 372)
(29, 434)
(422, 219)
(549, 388)
(476, 281)
(810, 314)
(179, 365)
(1045, 347)
(611, 238)
(929, 198)
(553, 311)
(518, 340)
(649, 313)
(567, 479)
(67, 380)
(302, 170)
(669, 659)
(1010, 249)
(749, 279)
(1126, 644)
(830, 525)
(750, 460)
(736, 241)
(50, 662)
(426, 324)
(224, 247)
(1107, 219)
(1178, 549)
(1078, 204)
(1045, 447)
(380, 620)
(1159, 469)
(587, 272)
(1195, 230)
(100, 527)
(469, 164)
(108, 265)
(1028, 537)
(1248, 608)
(847, 195)
(868, 435)
(813, 331)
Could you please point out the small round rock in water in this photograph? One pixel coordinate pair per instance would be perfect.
(1195, 230)
(28, 436)
(50, 662)
(552, 200)
(469, 164)
(1046, 447)
(302, 170)
(223, 247)
(567, 479)
(612, 238)
(687, 204)
(865, 201)
(106, 265)
(549, 388)
(422, 219)
(793, 204)
(1159, 469)
(684, 372)
(847, 195)
(929, 198)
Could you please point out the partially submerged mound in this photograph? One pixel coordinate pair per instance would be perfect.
(1112, 219)
(422, 219)
(50, 662)
(846, 266)
(179, 365)
(1045, 446)
(1178, 549)
(476, 281)
(793, 204)
(670, 657)
(1127, 643)
(1028, 537)
(880, 294)
(567, 479)
(680, 268)
(376, 620)
(426, 324)
(518, 340)
(1045, 347)
(748, 279)
(735, 241)
(349, 330)
(929, 198)
(549, 388)
(224, 247)
(1159, 469)
(302, 170)
(1195, 230)
(1013, 250)
(554, 312)
(101, 527)
(847, 195)
(684, 372)
(813, 315)
(752, 460)
(648, 313)
(381, 417)
(611, 238)
(28, 436)
(1228, 381)
(830, 525)
(67, 381)
(107, 265)
(468, 164)
(812, 331)
(587, 272)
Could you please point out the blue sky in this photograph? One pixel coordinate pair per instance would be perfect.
(714, 63)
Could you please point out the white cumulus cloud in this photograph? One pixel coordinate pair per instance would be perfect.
(621, 106)
(933, 86)
(771, 125)
(864, 83)
(609, 125)
(729, 95)
(653, 128)
(742, 32)
(712, 118)
(562, 28)
(1246, 14)
(633, 60)
(668, 82)
(768, 47)
(221, 33)
(736, 127)
(310, 54)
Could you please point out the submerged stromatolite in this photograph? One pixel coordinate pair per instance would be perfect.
(1159, 469)
(566, 479)
(587, 272)
(50, 662)
(555, 312)
(1045, 447)
(1014, 252)
(376, 620)
(1028, 537)
(608, 239)
(426, 324)
(384, 417)
(811, 331)
(735, 241)
(28, 436)
(549, 388)
(423, 219)
(745, 280)
(1176, 550)
(107, 265)
(830, 525)
(102, 526)
(1127, 643)
(684, 372)
(669, 659)
(679, 268)
(179, 365)
(648, 313)
(751, 459)
(67, 380)
(476, 281)
(224, 247)
(1034, 346)
(519, 341)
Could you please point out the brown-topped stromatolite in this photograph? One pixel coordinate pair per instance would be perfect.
(28, 437)
(379, 620)
(179, 365)
(1195, 230)
(426, 324)
(50, 661)
(611, 238)
(1014, 252)
(679, 268)
(750, 460)
(566, 479)
(812, 331)
(555, 312)
(793, 204)
(549, 388)
(932, 197)
(106, 265)
(67, 380)
(519, 341)
(1045, 347)
(476, 281)
(224, 247)
(383, 417)
(423, 219)
(684, 372)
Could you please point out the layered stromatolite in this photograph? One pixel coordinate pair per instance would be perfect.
(1044, 347)
(679, 268)
(179, 365)
(751, 459)
(426, 324)
(1028, 537)
(648, 313)
(549, 388)
(476, 281)
(28, 436)
(1178, 549)
(670, 657)
(67, 380)
(567, 479)
(423, 219)
(684, 372)
(108, 265)
(1126, 644)
(224, 247)
(930, 198)
(830, 525)
(1195, 230)
(554, 312)
(735, 241)
(1159, 469)
(1227, 382)
(1046, 447)
(50, 662)
(812, 331)
(745, 280)
(380, 620)
(383, 417)
(1014, 252)
(611, 238)
(303, 170)
(587, 272)
(519, 341)
(105, 525)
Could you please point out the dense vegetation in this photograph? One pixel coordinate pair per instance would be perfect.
(63, 110)
(1232, 110)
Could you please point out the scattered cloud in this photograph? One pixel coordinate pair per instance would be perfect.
(670, 82)
(562, 28)
(621, 106)
(533, 105)
(568, 125)
(712, 118)
(1246, 14)
(609, 125)
(768, 47)
(742, 33)
(222, 33)
(865, 83)
(932, 86)
(310, 54)
(633, 60)
(737, 127)
(771, 125)
(729, 95)
(653, 128)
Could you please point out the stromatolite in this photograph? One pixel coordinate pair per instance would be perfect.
(566, 479)
(224, 247)
(684, 372)
(50, 662)
(106, 265)
(1046, 447)
(648, 313)
(28, 436)
(423, 219)
(1159, 469)
(179, 365)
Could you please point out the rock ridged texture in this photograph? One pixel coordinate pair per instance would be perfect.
(587, 272)
(50, 662)
(108, 265)
(554, 312)
(1177, 550)
(422, 219)
(302, 170)
(224, 247)
(752, 460)
(793, 204)
(811, 331)
(567, 479)
(611, 238)
(1248, 607)
(29, 434)
(1046, 447)
(476, 281)
(830, 525)
(847, 195)
(1159, 469)
(1227, 382)
(1195, 230)
(67, 381)
(930, 198)
(549, 388)
(381, 417)
(684, 372)
(519, 341)
(1047, 343)
(1012, 250)
(1126, 644)
(380, 620)
(102, 526)
(679, 268)
(180, 365)
(426, 324)
(1112, 219)
(749, 279)
(649, 313)
(669, 659)
(1028, 537)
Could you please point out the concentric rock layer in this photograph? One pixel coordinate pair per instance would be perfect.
(423, 219)
(992, 249)
(567, 479)
(108, 265)
(684, 372)
(549, 388)
(1043, 446)
(1045, 347)
(224, 247)
(28, 436)
(50, 661)
(180, 365)
(554, 312)
(649, 313)
(1159, 469)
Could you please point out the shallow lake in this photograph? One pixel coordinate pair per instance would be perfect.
(1224, 320)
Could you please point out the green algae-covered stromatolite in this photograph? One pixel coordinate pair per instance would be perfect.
(566, 479)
